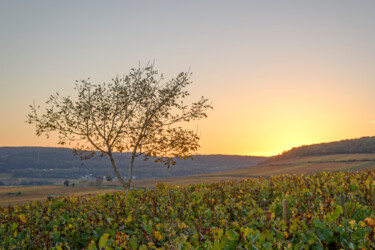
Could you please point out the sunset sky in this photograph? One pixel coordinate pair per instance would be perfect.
(279, 73)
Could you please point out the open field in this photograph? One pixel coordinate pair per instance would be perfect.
(19, 195)
(310, 164)
(4, 176)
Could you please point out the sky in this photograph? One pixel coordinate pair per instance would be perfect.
(279, 74)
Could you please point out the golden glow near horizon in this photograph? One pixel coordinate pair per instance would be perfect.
(268, 123)
(288, 115)
(279, 75)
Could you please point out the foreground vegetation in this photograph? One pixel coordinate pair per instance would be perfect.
(326, 210)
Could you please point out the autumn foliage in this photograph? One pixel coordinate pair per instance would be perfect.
(326, 210)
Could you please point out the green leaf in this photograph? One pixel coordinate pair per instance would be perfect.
(92, 245)
(109, 220)
(351, 246)
(320, 224)
(338, 211)
(103, 240)
(14, 226)
(232, 236)
(328, 234)
(148, 228)
(133, 243)
(129, 218)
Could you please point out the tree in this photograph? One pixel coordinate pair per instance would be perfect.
(66, 183)
(137, 113)
(98, 180)
(108, 177)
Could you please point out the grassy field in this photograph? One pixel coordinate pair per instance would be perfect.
(311, 164)
(4, 176)
(19, 195)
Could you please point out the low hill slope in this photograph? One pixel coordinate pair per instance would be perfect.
(302, 165)
(309, 164)
(44, 162)
(364, 145)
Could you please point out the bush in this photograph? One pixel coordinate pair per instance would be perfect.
(34, 183)
(17, 193)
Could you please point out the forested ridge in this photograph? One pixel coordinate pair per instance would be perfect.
(363, 145)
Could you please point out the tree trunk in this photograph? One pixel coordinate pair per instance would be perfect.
(123, 183)
(130, 171)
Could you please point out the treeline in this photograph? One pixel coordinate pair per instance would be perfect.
(34, 182)
(38, 162)
(70, 173)
(364, 145)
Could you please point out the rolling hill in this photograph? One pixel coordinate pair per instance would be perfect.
(227, 168)
(46, 163)
(363, 145)
(345, 155)
(302, 165)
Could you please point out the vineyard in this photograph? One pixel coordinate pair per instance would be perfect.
(324, 211)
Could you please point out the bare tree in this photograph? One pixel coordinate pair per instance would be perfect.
(137, 113)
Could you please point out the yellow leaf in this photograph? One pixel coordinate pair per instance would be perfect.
(215, 230)
(273, 215)
(223, 222)
(367, 183)
(370, 221)
(181, 225)
(285, 234)
(22, 218)
(158, 235)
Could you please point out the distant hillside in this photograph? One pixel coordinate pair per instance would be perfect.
(364, 145)
(44, 162)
